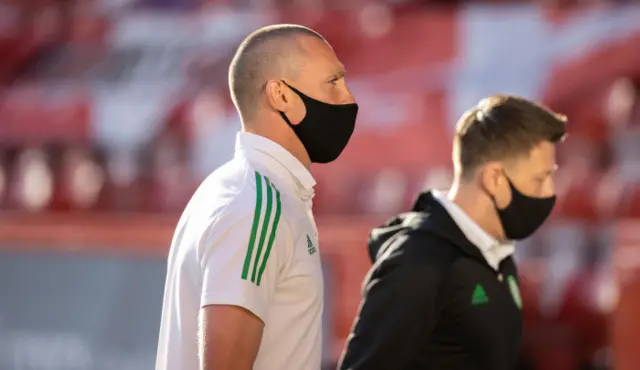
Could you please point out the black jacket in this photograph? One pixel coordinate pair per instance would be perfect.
(432, 302)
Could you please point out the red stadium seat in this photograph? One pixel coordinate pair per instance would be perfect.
(576, 199)
(383, 192)
(577, 179)
(32, 183)
(88, 30)
(338, 191)
(608, 194)
(580, 312)
(124, 188)
(629, 203)
(618, 197)
(4, 180)
(81, 180)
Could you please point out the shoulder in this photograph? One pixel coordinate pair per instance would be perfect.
(419, 246)
(418, 252)
(235, 207)
(243, 196)
(257, 196)
(235, 190)
(236, 198)
(429, 248)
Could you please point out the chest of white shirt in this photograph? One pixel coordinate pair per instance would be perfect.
(302, 275)
(304, 233)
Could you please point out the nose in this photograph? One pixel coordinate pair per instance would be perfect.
(347, 96)
(549, 188)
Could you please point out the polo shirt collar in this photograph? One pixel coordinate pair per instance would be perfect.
(492, 250)
(277, 159)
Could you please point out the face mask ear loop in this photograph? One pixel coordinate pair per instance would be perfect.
(508, 182)
(284, 116)
(495, 202)
(493, 197)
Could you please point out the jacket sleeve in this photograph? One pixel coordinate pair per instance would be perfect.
(398, 309)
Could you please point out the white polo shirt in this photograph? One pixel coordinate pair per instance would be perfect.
(248, 238)
(492, 250)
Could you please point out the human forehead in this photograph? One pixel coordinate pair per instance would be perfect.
(541, 159)
(319, 56)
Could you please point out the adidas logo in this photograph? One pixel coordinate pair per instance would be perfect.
(310, 248)
(479, 296)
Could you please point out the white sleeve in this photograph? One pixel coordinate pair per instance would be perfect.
(240, 262)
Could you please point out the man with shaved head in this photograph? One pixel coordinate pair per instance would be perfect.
(244, 287)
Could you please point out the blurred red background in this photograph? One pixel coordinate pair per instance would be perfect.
(107, 125)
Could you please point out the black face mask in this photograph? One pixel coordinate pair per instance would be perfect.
(326, 128)
(525, 214)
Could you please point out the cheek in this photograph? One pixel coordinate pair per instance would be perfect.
(538, 188)
(503, 196)
(297, 112)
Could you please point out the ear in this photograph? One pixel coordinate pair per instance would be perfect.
(278, 95)
(491, 178)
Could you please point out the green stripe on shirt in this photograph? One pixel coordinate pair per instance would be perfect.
(264, 229)
(254, 227)
(272, 237)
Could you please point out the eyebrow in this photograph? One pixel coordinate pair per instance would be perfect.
(338, 75)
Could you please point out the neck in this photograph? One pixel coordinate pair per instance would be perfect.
(478, 206)
(279, 133)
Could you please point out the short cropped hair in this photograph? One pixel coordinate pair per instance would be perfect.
(262, 55)
(502, 127)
